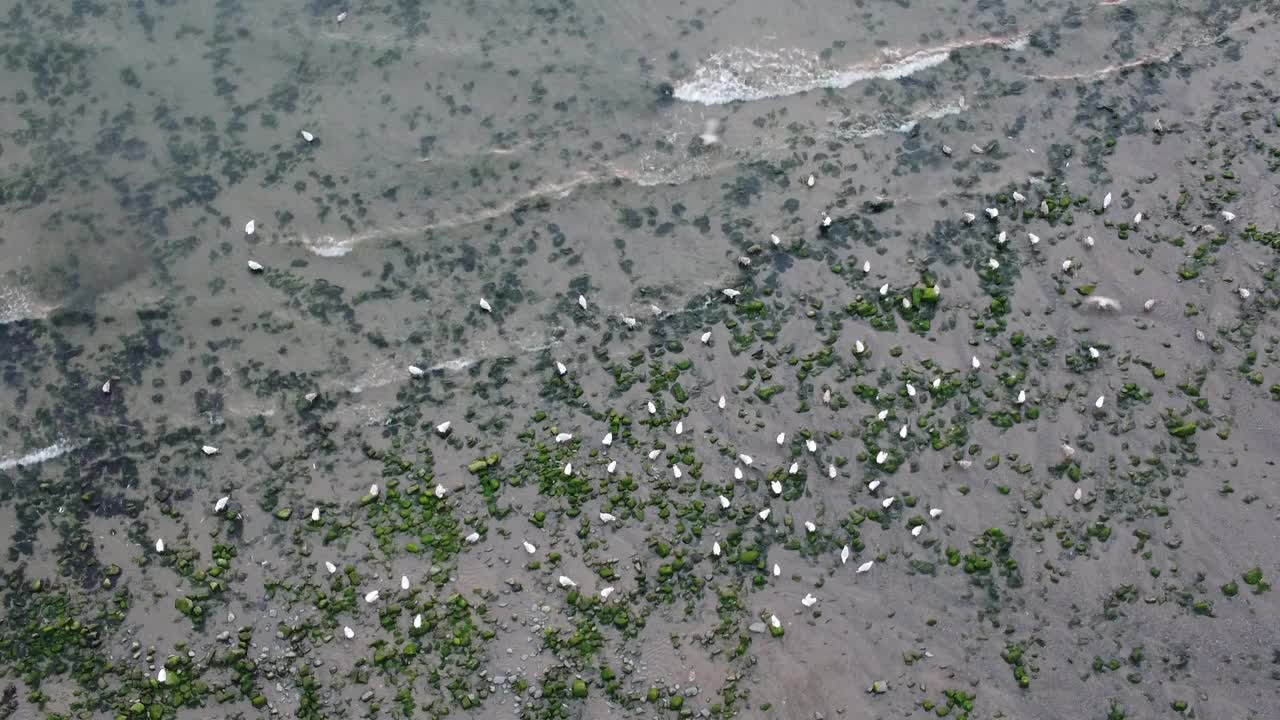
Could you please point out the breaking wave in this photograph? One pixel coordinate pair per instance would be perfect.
(57, 449)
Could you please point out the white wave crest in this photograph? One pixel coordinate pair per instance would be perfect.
(745, 74)
(34, 458)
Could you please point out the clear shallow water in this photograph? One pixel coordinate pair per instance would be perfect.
(530, 156)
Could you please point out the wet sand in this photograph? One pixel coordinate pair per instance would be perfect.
(1063, 511)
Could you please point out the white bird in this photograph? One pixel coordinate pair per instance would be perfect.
(866, 267)
(715, 549)
(1106, 201)
(1137, 219)
(1149, 304)
(935, 513)
(605, 593)
(720, 403)
(808, 600)
(724, 502)
(887, 502)
(653, 409)
(706, 337)
(342, 16)
(746, 459)
(776, 570)
(902, 432)
(1066, 265)
(1093, 353)
(782, 438)
(844, 554)
(308, 136)
(679, 427)
(162, 675)
(582, 302)
(1068, 451)
(776, 487)
(607, 517)
(371, 596)
(221, 504)
(630, 321)
(882, 414)
(1018, 197)
(568, 469)
(795, 468)
(250, 227)
(775, 239)
(993, 213)
(730, 293)
(1098, 403)
(811, 445)
(209, 450)
(566, 582)
(884, 289)
(831, 471)
(417, 621)
(416, 371)
(993, 263)
(315, 514)
(159, 545)
(937, 383)
(529, 548)
(255, 266)
(348, 632)
(441, 491)
(1228, 215)
(373, 489)
(1088, 241)
(881, 457)
(873, 485)
(675, 470)
(485, 306)
(1244, 293)
(443, 428)
(826, 220)
(737, 473)
(608, 439)
(473, 538)
(808, 525)
(1034, 238)
(969, 218)
(764, 514)
(858, 347)
(866, 566)
(564, 437)
(911, 390)
(774, 621)
(1002, 238)
(653, 454)
(1022, 396)
(975, 362)
(1101, 302)
(404, 582)
(1078, 494)
(560, 368)
(330, 567)
(106, 388)
(613, 465)
(810, 181)
(915, 531)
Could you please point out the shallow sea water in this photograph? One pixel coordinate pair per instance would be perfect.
(610, 180)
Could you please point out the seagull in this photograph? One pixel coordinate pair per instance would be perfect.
(915, 531)
(605, 593)
(1093, 353)
(1106, 201)
(808, 600)
(1137, 219)
(630, 321)
(330, 567)
(866, 267)
(993, 213)
(308, 136)
(529, 548)
(884, 289)
(404, 582)
(653, 454)
(782, 438)
(811, 180)
(250, 227)
(1018, 197)
(795, 468)
(858, 347)
(373, 489)
(911, 390)
(935, 513)
(1228, 216)
(969, 218)
(774, 621)
(706, 337)
(417, 621)
(348, 632)
(342, 16)
(1078, 494)
(1034, 238)
(715, 549)
(1099, 402)
(724, 502)
(776, 570)
(159, 545)
(844, 554)
(441, 491)
(1244, 293)
(887, 502)
(737, 473)
(811, 445)
(653, 409)
(485, 306)
(873, 485)
(1022, 396)
(564, 437)
(221, 504)
(473, 538)
(882, 414)
(776, 487)
(255, 266)
(775, 239)
(866, 566)
(679, 427)
(881, 457)
(675, 470)
(1102, 303)
(566, 582)
(831, 472)
(764, 514)
(568, 469)
(560, 368)
(607, 517)
(808, 525)
(416, 371)
(1149, 304)
(608, 439)
(371, 596)
(162, 675)
(902, 432)
(106, 388)
(209, 450)
(582, 302)
(730, 293)
(720, 403)
(315, 514)
(976, 362)
(443, 428)
(613, 465)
